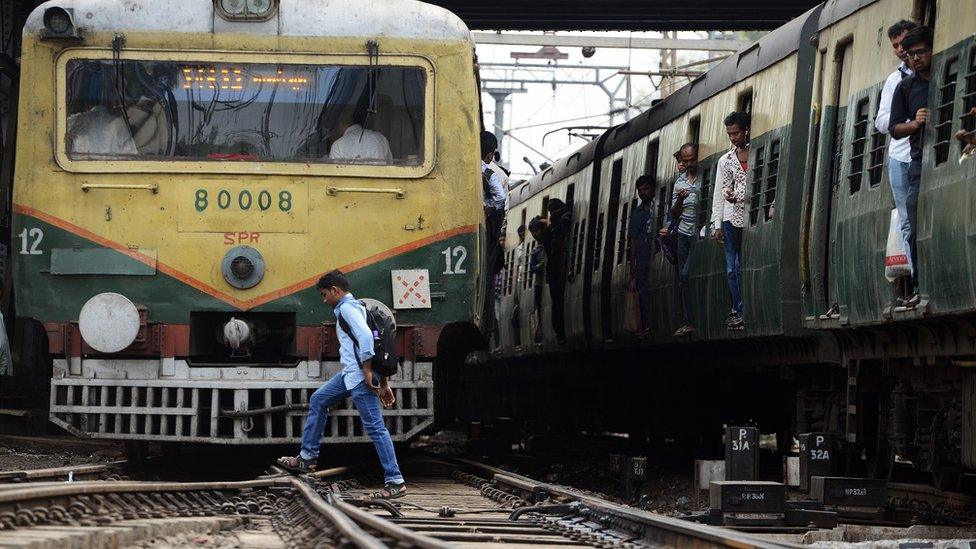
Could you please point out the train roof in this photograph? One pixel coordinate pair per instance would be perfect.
(767, 51)
(834, 10)
(337, 18)
(562, 169)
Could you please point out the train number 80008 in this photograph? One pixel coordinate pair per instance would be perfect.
(244, 200)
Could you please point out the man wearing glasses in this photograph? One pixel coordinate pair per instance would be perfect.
(909, 114)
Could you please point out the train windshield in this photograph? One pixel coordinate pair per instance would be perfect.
(159, 110)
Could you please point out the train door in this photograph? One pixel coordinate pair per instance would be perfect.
(606, 261)
(839, 94)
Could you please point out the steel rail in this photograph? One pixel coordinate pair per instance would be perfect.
(57, 472)
(675, 531)
(343, 523)
(50, 490)
(386, 527)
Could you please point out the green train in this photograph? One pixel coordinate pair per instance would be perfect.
(825, 347)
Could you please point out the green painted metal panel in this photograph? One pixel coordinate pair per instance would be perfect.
(47, 297)
(100, 261)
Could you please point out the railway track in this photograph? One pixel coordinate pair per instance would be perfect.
(450, 503)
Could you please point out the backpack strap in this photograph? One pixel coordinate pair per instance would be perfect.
(348, 330)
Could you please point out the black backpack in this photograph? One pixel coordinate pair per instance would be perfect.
(385, 360)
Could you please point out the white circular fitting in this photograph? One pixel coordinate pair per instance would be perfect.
(109, 322)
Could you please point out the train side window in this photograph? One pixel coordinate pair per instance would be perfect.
(969, 96)
(598, 241)
(578, 264)
(650, 161)
(694, 129)
(859, 144)
(744, 101)
(662, 206)
(704, 202)
(878, 149)
(772, 178)
(947, 103)
(622, 233)
(757, 179)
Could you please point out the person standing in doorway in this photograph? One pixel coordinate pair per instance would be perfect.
(369, 391)
(684, 204)
(909, 114)
(729, 208)
(640, 246)
(899, 150)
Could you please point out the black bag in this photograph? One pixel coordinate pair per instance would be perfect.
(486, 183)
(385, 360)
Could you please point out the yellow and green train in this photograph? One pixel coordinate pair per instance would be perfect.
(179, 167)
(825, 347)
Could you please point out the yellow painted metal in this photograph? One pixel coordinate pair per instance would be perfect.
(234, 206)
(144, 186)
(322, 231)
(400, 193)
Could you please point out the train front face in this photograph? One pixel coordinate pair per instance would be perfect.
(188, 170)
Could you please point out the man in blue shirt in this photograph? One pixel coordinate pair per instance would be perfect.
(640, 233)
(369, 391)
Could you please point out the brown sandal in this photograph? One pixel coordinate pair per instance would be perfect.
(390, 491)
(297, 464)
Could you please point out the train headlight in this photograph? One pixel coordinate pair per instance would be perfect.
(242, 267)
(254, 10)
(60, 23)
(109, 322)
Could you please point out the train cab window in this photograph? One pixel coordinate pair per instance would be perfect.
(947, 100)
(259, 112)
(859, 144)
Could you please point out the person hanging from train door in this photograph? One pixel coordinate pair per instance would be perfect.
(537, 270)
(518, 285)
(554, 241)
(640, 248)
(899, 150)
(684, 205)
(909, 114)
(494, 197)
(368, 389)
(729, 208)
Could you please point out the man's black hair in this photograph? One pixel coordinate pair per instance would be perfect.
(916, 36)
(536, 224)
(521, 229)
(895, 30)
(736, 118)
(333, 279)
(489, 143)
(644, 180)
(555, 205)
(686, 146)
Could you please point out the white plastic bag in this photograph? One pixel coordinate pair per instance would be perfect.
(896, 261)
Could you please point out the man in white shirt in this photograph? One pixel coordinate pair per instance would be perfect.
(899, 150)
(729, 208)
(359, 144)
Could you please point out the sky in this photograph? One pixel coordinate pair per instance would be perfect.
(545, 108)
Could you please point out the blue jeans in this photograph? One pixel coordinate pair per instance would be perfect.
(733, 256)
(370, 412)
(685, 244)
(904, 177)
